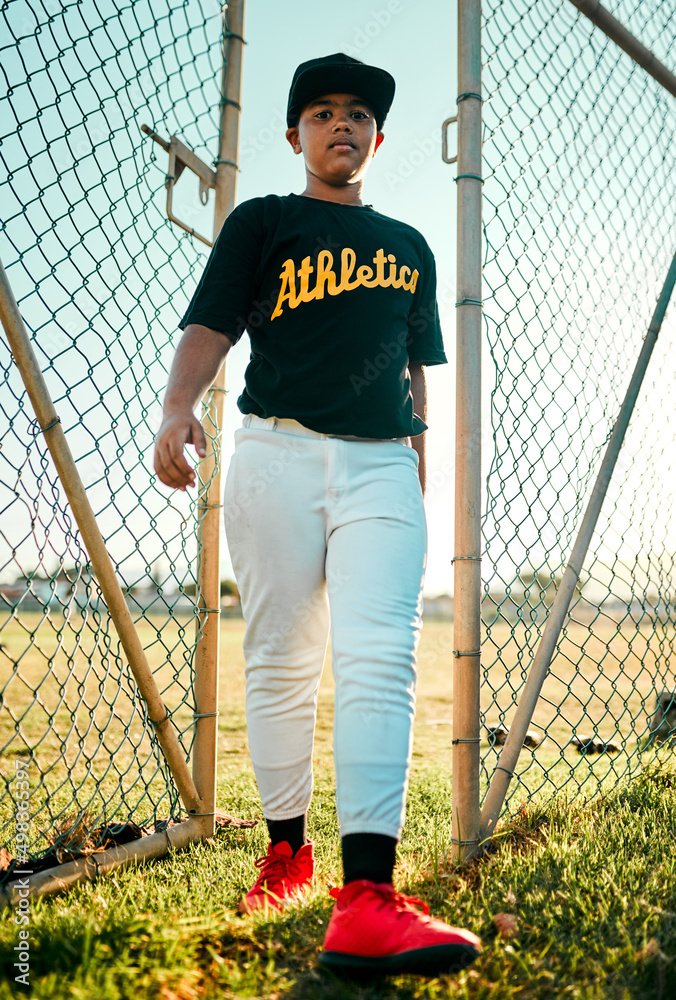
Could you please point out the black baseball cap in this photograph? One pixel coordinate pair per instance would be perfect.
(340, 73)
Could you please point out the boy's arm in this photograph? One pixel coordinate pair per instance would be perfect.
(419, 393)
(198, 359)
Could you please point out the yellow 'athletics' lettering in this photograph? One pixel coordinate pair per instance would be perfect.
(296, 282)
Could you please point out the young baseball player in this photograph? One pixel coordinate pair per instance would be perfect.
(324, 503)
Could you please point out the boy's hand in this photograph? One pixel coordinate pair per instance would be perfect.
(196, 364)
(170, 462)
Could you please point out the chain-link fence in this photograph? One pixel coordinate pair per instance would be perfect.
(95, 267)
(578, 221)
(578, 213)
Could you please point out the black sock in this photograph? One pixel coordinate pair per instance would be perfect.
(293, 831)
(368, 856)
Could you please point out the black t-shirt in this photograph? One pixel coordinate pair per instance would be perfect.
(337, 300)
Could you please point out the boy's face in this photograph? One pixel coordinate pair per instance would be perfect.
(338, 137)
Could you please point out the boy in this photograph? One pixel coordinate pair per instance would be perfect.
(323, 503)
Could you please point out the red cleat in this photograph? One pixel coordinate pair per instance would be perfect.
(376, 931)
(284, 875)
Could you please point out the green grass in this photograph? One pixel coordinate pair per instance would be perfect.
(91, 750)
(593, 888)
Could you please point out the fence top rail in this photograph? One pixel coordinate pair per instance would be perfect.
(617, 33)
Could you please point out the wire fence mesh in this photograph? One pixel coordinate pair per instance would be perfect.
(579, 234)
(95, 267)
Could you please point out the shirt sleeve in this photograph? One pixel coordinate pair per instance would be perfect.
(425, 341)
(225, 294)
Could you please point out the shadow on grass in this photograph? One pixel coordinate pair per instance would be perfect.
(591, 889)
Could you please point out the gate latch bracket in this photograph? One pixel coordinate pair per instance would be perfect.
(181, 157)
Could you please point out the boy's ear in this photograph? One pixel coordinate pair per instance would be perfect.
(379, 139)
(293, 138)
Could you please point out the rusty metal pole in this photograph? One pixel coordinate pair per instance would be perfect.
(467, 561)
(209, 502)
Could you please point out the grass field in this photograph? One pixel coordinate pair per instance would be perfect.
(63, 697)
(591, 884)
(593, 891)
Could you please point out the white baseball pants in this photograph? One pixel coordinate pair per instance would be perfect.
(328, 532)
